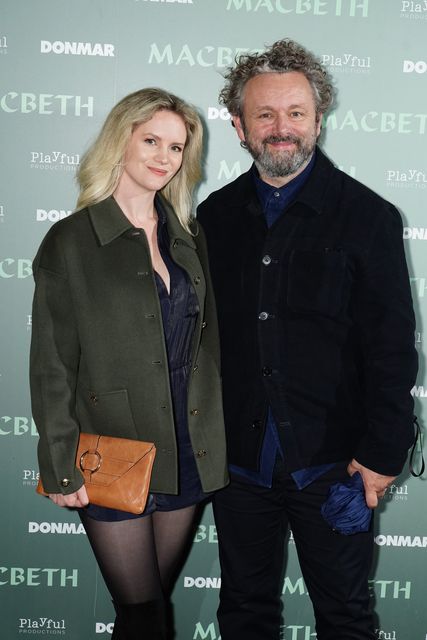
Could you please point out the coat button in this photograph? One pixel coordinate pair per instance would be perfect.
(266, 371)
(204, 325)
(196, 279)
(195, 368)
(194, 412)
(201, 453)
(266, 260)
(256, 424)
(65, 482)
(263, 315)
(94, 398)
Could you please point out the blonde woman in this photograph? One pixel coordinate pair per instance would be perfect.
(125, 344)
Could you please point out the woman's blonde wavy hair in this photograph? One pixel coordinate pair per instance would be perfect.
(102, 165)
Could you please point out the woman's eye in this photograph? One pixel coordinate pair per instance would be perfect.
(177, 148)
(150, 141)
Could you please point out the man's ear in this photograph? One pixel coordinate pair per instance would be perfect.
(319, 124)
(237, 122)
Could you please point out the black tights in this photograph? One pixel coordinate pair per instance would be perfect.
(141, 558)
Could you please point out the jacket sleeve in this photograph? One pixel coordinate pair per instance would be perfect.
(386, 323)
(54, 361)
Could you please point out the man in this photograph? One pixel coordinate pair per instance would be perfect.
(318, 354)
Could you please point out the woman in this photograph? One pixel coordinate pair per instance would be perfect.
(125, 344)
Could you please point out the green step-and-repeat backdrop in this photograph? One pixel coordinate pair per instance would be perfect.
(63, 65)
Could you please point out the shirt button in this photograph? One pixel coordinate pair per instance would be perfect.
(65, 482)
(263, 315)
(266, 259)
(201, 453)
(194, 412)
(266, 371)
(276, 194)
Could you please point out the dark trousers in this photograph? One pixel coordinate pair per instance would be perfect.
(252, 523)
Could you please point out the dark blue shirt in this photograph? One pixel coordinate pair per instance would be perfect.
(274, 201)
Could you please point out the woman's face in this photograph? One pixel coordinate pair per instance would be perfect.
(154, 153)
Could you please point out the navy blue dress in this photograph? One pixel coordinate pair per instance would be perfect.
(179, 313)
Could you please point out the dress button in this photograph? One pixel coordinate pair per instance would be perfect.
(266, 371)
(194, 412)
(263, 315)
(201, 453)
(65, 482)
(266, 260)
(196, 279)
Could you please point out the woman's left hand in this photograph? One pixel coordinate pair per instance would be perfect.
(77, 499)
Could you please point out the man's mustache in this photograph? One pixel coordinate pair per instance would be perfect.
(288, 138)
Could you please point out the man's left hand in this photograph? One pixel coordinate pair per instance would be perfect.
(375, 484)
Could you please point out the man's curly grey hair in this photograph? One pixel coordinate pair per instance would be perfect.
(281, 57)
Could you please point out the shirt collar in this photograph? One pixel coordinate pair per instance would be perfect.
(288, 191)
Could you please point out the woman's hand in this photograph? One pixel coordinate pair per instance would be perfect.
(77, 499)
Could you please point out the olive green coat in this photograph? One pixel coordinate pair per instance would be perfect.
(98, 354)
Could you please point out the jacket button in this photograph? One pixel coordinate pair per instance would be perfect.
(266, 371)
(94, 398)
(194, 412)
(65, 482)
(196, 366)
(256, 424)
(263, 315)
(196, 279)
(204, 325)
(201, 453)
(266, 260)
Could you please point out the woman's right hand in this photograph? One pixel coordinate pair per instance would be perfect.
(77, 499)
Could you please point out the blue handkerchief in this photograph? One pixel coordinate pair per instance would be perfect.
(346, 510)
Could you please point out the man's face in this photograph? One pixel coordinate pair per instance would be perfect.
(279, 124)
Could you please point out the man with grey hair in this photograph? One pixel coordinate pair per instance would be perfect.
(318, 356)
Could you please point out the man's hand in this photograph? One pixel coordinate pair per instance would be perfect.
(375, 484)
(77, 499)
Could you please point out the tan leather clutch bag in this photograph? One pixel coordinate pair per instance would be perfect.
(117, 471)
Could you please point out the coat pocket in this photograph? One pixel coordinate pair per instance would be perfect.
(316, 281)
(107, 413)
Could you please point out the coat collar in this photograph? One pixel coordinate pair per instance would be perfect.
(109, 221)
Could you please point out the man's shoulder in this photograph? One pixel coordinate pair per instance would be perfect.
(236, 191)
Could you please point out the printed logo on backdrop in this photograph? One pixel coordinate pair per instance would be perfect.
(15, 268)
(390, 589)
(413, 10)
(378, 122)
(419, 339)
(30, 477)
(41, 626)
(66, 48)
(17, 426)
(52, 215)
(104, 627)
(54, 160)
(201, 582)
(206, 533)
(1, 213)
(380, 634)
(61, 528)
(207, 56)
(411, 542)
(38, 577)
(414, 66)
(347, 63)
(340, 8)
(47, 104)
(406, 178)
(3, 45)
(397, 493)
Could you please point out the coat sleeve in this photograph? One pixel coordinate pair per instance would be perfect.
(54, 361)
(386, 323)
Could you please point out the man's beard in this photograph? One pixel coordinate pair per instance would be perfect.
(282, 163)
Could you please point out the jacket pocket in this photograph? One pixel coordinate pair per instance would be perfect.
(316, 281)
(106, 413)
